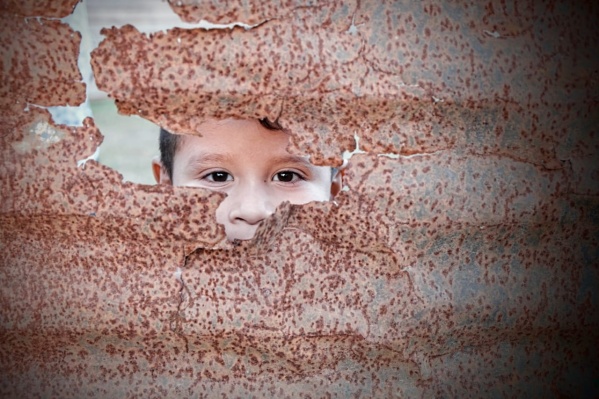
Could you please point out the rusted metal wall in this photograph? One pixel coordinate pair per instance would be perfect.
(463, 263)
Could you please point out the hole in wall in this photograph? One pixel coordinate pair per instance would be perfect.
(130, 142)
(248, 161)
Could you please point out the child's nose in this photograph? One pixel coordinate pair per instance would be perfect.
(251, 205)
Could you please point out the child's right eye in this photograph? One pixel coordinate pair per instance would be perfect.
(218, 177)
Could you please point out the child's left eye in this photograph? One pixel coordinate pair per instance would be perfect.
(287, 176)
(218, 177)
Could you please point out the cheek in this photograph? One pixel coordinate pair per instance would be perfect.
(222, 212)
(181, 180)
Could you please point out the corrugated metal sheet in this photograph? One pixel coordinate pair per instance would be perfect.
(462, 262)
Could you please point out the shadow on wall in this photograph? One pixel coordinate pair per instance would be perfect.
(130, 142)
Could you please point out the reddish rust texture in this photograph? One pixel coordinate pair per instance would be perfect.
(39, 63)
(466, 267)
(416, 78)
(218, 12)
(39, 8)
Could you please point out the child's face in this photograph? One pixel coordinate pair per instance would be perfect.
(251, 165)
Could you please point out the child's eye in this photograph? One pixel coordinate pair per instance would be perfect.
(218, 177)
(287, 176)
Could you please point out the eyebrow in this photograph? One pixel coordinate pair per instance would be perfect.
(203, 158)
(292, 159)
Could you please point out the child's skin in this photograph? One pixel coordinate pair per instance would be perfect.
(252, 166)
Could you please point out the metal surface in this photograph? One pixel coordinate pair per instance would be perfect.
(462, 261)
(38, 8)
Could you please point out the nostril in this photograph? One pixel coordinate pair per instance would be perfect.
(249, 213)
(250, 219)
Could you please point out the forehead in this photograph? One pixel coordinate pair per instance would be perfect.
(234, 137)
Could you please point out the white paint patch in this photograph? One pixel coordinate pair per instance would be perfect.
(347, 154)
(41, 135)
(203, 24)
(353, 28)
(179, 274)
(92, 157)
(420, 154)
(494, 34)
(46, 133)
(392, 156)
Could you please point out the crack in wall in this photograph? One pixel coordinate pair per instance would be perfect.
(185, 300)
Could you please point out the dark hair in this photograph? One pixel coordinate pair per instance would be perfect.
(169, 144)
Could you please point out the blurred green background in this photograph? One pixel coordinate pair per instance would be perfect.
(130, 142)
